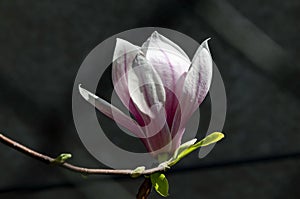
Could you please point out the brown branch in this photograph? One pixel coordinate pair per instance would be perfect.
(49, 160)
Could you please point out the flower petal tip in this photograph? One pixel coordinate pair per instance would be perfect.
(204, 44)
(122, 43)
(86, 94)
(155, 34)
(123, 47)
(119, 42)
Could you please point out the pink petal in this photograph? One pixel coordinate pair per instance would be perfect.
(157, 132)
(177, 113)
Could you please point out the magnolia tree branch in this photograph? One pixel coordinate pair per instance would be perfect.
(159, 182)
(49, 160)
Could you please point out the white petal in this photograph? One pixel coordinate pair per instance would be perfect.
(124, 47)
(198, 80)
(111, 111)
(168, 59)
(124, 55)
(145, 86)
(171, 62)
(196, 84)
(161, 51)
(158, 41)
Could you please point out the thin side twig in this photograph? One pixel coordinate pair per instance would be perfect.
(49, 160)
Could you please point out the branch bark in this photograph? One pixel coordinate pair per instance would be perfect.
(49, 160)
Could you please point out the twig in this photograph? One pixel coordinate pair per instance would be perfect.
(49, 160)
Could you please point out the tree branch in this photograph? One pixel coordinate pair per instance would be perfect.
(49, 160)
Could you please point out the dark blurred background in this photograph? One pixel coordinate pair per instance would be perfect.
(254, 43)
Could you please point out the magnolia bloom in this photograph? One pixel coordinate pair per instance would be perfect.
(160, 87)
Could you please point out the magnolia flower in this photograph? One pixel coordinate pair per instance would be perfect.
(160, 87)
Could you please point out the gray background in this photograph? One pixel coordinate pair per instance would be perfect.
(254, 43)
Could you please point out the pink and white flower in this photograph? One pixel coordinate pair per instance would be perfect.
(160, 87)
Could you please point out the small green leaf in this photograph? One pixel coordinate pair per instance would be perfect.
(183, 147)
(160, 184)
(210, 139)
(62, 158)
(137, 172)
